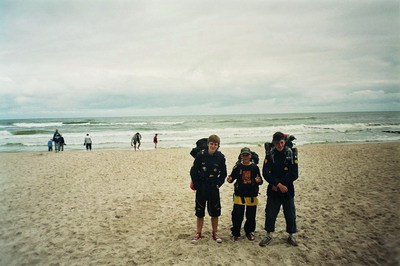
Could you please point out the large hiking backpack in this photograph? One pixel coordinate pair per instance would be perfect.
(254, 158)
(201, 144)
(290, 153)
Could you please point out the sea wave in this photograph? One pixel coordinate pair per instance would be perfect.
(13, 144)
(5, 133)
(167, 123)
(131, 124)
(184, 131)
(30, 125)
(76, 123)
(31, 132)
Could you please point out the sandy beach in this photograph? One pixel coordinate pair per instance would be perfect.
(136, 208)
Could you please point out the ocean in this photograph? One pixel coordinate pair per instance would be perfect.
(107, 133)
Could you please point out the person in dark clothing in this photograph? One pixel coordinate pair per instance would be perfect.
(57, 140)
(62, 143)
(248, 178)
(155, 141)
(280, 170)
(136, 140)
(208, 174)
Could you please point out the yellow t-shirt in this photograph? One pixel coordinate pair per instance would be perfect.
(247, 201)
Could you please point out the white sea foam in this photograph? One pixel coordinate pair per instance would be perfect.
(31, 125)
(5, 133)
(167, 123)
(183, 131)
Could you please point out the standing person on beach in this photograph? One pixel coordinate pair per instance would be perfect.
(155, 141)
(62, 143)
(280, 170)
(248, 178)
(88, 143)
(136, 140)
(50, 145)
(57, 140)
(208, 174)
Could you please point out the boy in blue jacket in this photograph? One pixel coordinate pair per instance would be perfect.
(280, 170)
(208, 173)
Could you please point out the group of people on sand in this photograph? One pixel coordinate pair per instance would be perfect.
(59, 142)
(280, 169)
(137, 137)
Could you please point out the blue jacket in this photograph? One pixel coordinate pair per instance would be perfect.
(281, 167)
(208, 171)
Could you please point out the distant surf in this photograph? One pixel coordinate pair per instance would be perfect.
(21, 135)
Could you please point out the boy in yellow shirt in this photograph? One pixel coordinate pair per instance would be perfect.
(248, 178)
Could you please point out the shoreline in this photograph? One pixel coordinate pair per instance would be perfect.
(222, 147)
(136, 208)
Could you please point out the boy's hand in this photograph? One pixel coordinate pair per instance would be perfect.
(282, 188)
(192, 187)
(258, 179)
(229, 179)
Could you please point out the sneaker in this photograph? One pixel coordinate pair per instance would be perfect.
(197, 238)
(216, 237)
(250, 236)
(265, 241)
(292, 241)
(235, 238)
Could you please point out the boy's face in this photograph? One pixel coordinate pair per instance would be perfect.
(280, 145)
(245, 157)
(212, 147)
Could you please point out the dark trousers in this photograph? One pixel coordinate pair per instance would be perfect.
(237, 219)
(210, 197)
(272, 210)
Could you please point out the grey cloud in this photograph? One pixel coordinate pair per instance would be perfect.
(147, 54)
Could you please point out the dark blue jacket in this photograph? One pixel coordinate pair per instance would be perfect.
(281, 167)
(57, 137)
(246, 185)
(208, 171)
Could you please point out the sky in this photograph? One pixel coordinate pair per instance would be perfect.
(85, 58)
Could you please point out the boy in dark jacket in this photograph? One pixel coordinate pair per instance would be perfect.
(248, 178)
(208, 173)
(280, 170)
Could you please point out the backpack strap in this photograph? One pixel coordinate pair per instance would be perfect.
(288, 154)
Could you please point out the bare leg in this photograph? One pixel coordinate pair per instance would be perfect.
(214, 224)
(199, 224)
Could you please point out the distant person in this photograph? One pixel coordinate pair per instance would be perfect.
(280, 170)
(248, 178)
(62, 143)
(155, 141)
(136, 140)
(88, 143)
(57, 140)
(208, 174)
(50, 144)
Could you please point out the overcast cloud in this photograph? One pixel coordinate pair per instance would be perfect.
(146, 57)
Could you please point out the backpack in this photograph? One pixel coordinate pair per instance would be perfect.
(290, 150)
(201, 144)
(254, 158)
